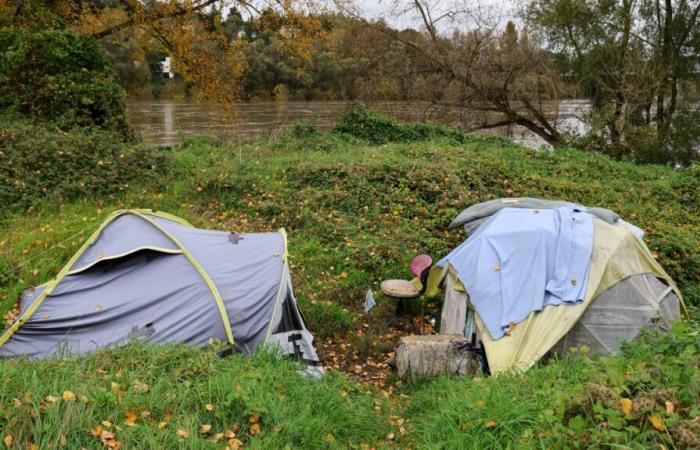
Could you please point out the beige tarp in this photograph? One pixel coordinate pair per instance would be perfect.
(617, 254)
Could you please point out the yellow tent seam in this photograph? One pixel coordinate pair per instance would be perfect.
(51, 285)
(207, 279)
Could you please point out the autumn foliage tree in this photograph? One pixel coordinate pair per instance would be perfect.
(190, 31)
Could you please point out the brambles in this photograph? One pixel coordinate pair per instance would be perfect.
(53, 76)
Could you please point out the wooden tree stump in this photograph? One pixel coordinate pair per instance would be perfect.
(431, 355)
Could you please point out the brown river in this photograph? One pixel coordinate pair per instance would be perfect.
(168, 122)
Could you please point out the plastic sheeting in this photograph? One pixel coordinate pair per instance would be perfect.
(521, 260)
(617, 255)
(491, 207)
(619, 314)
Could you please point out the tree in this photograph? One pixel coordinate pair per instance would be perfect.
(57, 77)
(191, 31)
(504, 78)
(637, 60)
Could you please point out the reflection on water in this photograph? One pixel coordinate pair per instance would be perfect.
(168, 122)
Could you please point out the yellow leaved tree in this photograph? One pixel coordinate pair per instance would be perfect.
(211, 61)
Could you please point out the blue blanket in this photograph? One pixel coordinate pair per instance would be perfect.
(521, 260)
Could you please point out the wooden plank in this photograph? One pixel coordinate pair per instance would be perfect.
(454, 308)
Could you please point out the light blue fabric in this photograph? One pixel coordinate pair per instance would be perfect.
(521, 260)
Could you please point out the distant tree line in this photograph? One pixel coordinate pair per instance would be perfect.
(637, 61)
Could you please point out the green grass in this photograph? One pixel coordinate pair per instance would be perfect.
(356, 210)
(168, 389)
(570, 403)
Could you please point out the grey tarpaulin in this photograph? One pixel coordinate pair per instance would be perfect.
(151, 276)
(489, 208)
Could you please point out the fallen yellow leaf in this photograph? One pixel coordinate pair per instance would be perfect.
(17, 402)
(130, 419)
(205, 429)
(670, 407)
(162, 425)
(218, 437)
(139, 387)
(657, 423)
(235, 444)
(183, 433)
(63, 440)
(68, 396)
(50, 399)
(33, 446)
(253, 418)
(113, 444)
(343, 394)
(209, 407)
(97, 431)
(106, 435)
(390, 436)
(255, 428)
(107, 423)
(479, 404)
(8, 440)
(490, 423)
(625, 406)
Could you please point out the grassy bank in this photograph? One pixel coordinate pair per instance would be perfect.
(357, 204)
(177, 397)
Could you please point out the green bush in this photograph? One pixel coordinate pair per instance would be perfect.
(365, 124)
(57, 77)
(36, 162)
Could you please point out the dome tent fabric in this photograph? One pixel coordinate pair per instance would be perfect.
(619, 313)
(147, 275)
(626, 291)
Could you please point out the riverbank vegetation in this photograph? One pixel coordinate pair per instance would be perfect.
(636, 62)
(175, 397)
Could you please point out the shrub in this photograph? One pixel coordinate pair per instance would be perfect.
(57, 77)
(365, 124)
(36, 162)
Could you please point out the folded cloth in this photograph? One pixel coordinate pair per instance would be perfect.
(488, 208)
(521, 260)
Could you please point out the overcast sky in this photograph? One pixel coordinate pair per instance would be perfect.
(388, 10)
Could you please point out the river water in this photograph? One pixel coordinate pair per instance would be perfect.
(168, 122)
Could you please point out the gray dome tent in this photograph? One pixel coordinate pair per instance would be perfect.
(626, 291)
(146, 275)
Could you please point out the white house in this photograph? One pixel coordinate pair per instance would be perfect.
(166, 68)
